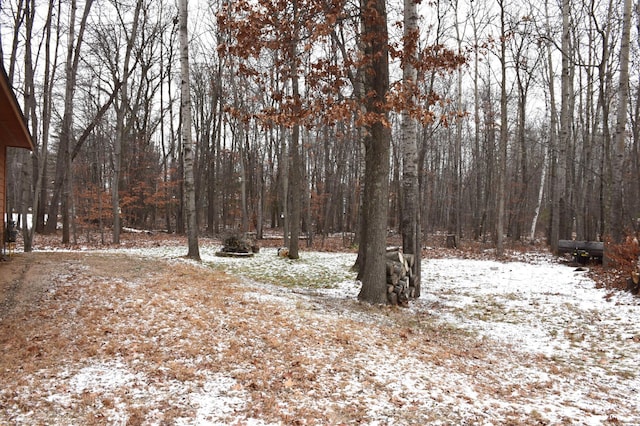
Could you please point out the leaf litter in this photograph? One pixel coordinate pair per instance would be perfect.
(143, 336)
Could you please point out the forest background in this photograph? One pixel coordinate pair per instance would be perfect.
(525, 117)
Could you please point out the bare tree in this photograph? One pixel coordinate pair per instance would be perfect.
(31, 117)
(63, 178)
(411, 229)
(187, 141)
(504, 135)
(617, 208)
(377, 147)
(560, 206)
(50, 66)
(121, 109)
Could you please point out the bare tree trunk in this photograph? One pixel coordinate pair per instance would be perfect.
(283, 164)
(564, 142)
(295, 190)
(187, 142)
(635, 125)
(604, 79)
(17, 23)
(478, 201)
(502, 152)
(559, 166)
(377, 148)
(62, 185)
(260, 190)
(242, 135)
(617, 208)
(295, 167)
(552, 148)
(536, 214)
(295, 173)
(411, 234)
(47, 100)
(457, 169)
(30, 174)
(121, 110)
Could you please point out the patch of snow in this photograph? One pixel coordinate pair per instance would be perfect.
(103, 376)
(216, 401)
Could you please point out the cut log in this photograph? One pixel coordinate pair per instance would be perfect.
(411, 292)
(232, 254)
(394, 272)
(411, 260)
(582, 251)
(404, 282)
(393, 298)
(397, 256)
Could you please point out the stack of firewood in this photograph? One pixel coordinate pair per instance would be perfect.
(238, 244)
(399, 273)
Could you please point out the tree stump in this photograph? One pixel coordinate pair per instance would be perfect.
(452, 241)
(633, 283)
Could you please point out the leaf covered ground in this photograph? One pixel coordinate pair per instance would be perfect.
(141, 336)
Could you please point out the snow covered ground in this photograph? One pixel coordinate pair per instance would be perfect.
(538, 307)
(488, 343)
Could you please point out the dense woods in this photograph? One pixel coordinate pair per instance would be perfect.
(483, 119)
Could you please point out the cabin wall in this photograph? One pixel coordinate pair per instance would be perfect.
(3, 180)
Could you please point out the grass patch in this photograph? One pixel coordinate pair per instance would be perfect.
(311, 270)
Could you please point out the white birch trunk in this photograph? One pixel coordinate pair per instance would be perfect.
(536, 214)
(411, 241)
(187, 141)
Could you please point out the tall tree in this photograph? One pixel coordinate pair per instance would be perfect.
(285, 33)
(411, 229)
(187, 141)
(504, 135)
(30, 112)
(63, 184)
(375, 39)
(617, 208)
(295, 170)
(554, 234)
(559, 169)
(50, 66)
(122, 106)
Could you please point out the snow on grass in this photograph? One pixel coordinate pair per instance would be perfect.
(218, 398)
(548, 309)
(312, 270)
(542, 308)
(488, 343)
(537, 307)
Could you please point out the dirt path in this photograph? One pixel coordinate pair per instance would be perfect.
(27, 277)
(23, 279)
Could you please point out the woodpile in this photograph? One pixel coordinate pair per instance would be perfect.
(400, 285)
(238, 245)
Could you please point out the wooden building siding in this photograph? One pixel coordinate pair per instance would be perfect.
(3, 195)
